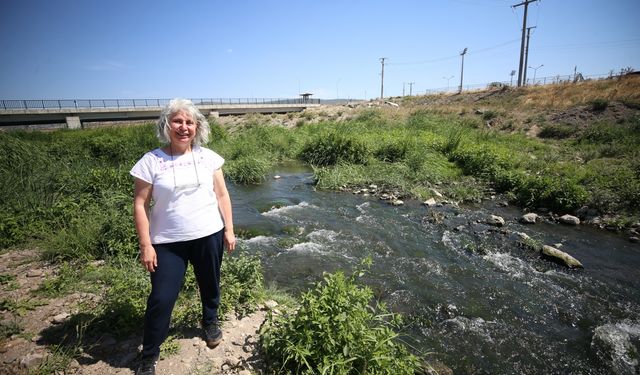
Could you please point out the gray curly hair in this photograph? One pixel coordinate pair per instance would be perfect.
(182, 105)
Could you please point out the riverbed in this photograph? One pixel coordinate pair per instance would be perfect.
(473, 296)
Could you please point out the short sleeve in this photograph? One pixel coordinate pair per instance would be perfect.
(143, 169)
(214, 160)
(217, 161)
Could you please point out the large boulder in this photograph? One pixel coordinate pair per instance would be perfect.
(559, 256)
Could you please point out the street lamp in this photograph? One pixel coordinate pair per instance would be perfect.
(535, 70)
(462, 69)
(447, 78)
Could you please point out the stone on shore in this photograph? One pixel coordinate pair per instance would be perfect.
(430, 202)
(560, 257)
(569, 220)
(436, 193)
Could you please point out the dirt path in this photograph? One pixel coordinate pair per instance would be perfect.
(22, 273)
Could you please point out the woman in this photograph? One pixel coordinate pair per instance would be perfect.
(182, 213)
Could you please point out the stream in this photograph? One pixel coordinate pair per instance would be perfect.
(474, 298)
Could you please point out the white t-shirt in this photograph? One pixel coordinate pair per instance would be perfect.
(184, 205)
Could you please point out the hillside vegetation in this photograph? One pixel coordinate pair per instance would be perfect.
(568, 148)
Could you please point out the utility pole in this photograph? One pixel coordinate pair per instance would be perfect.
(411, 88)
(462, 69)
(403, 83)
(526, 57)
(522, 67)
(382, 78)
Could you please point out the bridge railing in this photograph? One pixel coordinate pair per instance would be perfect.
(138, 103)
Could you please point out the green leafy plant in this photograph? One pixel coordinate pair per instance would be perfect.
(242, 283)
(336, 330)
(9, 328)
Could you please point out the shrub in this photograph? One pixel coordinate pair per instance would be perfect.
(12, 231)
(107, 147)
(599, 105)
(370, 116)
(217, 132)
(556, 193)
(557, 131)
(420, 120)
(117, 236)
(391, 152)
(482, 162)
(247, 170)
(337, 331)
(489, 115)
(242, 284)
(453, 139)
(122, 310)
(326, 150)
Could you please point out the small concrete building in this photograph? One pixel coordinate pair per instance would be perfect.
(306, 96)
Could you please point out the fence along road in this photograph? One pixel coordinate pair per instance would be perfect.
(74, 112)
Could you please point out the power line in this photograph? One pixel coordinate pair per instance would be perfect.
(452, 57)
(612, 43)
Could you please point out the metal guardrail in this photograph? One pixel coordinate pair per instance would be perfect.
(138, 103)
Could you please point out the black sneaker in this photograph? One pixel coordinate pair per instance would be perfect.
(147, 366)
(212, 335)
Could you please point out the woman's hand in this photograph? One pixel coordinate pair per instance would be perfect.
(148, 258)
(229, 241)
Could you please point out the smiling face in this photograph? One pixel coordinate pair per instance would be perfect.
(182, 130)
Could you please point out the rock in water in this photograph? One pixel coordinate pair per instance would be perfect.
(614, 344)
(560, 257)
(529, 218)
(495, 221)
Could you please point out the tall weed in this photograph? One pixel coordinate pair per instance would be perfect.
(329, 149)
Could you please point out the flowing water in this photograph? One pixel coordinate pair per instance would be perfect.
(475, 299)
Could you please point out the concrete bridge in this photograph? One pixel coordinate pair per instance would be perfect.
(74, 113)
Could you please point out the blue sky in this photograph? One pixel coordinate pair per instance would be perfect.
(90, 49)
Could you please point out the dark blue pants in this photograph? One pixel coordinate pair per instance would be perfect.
(205, 254)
